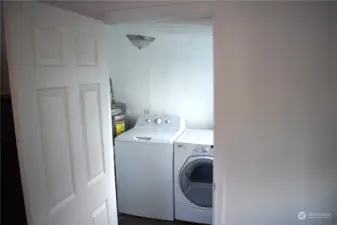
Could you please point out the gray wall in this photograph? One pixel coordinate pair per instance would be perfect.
(276, 111)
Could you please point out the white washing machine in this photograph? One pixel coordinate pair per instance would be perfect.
(144, 167)
(193, 176)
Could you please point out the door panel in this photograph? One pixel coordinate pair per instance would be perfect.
(86, 49)
(48, 46)
(92, 128)
(57, 152)
(100, 215)
(61, 104)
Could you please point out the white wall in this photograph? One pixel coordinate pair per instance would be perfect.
(276, 111)
(173, 75)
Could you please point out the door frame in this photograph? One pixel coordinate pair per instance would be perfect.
(182, 13)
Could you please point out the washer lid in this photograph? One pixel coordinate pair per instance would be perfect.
(142, 135)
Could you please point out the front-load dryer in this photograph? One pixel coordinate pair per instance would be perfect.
(193, 176)
(144, 167)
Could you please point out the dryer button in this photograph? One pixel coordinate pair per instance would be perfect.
(205, 149)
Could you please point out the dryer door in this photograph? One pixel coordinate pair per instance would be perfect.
(196, 180)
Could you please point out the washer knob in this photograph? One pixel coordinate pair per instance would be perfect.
(158, 121)
(148, 120)
(167, 121)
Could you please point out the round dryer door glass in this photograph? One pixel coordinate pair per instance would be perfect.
(196, 181)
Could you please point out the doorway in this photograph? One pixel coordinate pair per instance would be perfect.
(172, 75)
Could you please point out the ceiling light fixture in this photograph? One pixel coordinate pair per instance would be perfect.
(140, 41)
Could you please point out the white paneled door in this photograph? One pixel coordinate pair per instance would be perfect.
(61, 102)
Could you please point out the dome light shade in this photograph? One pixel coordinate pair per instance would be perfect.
(140, 41)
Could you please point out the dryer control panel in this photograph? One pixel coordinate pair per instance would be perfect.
(207, 149)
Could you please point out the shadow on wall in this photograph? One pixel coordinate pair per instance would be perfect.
(4, 79)
(131, 121)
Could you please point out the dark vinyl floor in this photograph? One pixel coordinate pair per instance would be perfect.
(132, 220)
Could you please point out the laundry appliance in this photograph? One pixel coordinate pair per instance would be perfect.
(144, 167)
(193, 176)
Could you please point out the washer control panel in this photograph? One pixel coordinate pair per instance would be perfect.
(160, 121)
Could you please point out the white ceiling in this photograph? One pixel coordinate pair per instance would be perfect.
(98, 9)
